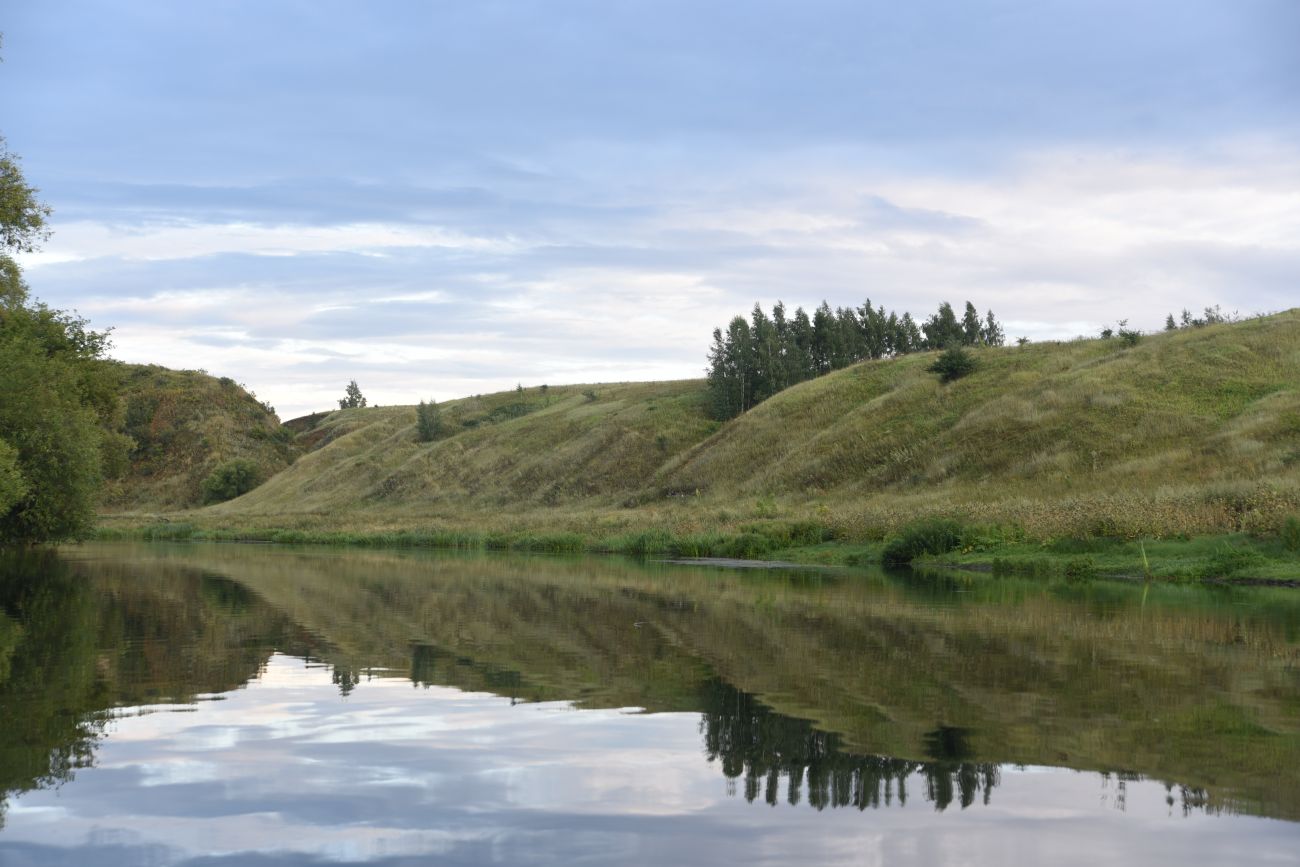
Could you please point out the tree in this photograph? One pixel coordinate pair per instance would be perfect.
(992, 333)
(60, 412)
(972, 330)
(352, 397)
(428, 421)
(22, 216)
(942, 329)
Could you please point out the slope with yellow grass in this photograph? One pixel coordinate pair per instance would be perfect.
(1189, 432)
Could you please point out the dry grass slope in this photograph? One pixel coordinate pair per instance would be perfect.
(1186, 432)
(186, 423)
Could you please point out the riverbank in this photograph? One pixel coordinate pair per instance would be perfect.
(1232, 557)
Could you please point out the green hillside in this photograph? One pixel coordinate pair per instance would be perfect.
(183, 425)
(1195, 431)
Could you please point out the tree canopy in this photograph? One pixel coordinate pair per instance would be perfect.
(754, 359)
(352, 397)
(59, 405)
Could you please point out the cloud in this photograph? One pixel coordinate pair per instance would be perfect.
(451, 199)
(1061, 242)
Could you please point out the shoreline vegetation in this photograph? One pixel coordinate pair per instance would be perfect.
(1233, 558)
(1173, 455)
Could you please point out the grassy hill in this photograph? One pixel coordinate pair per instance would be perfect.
(184, 424)
(1189, 432)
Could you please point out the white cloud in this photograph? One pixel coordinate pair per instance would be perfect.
(1058, 243)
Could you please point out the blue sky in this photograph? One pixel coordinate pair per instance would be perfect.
(440, 199)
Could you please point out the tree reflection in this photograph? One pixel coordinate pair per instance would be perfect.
(765, 750)
(53, 695)
(73, 651)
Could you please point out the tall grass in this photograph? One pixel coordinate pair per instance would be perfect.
(1187, 433)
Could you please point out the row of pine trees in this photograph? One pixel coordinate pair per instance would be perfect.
(752, 360)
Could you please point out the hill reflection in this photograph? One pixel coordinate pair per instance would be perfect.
(824, 693)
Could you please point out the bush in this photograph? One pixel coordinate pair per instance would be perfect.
(931, 536)
(230, 480)
(1291, 533)
(1228, 561)
(953, 363)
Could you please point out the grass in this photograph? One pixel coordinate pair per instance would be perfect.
(1220, 557)
(801, 543)
(185, 424)
(1194, 433)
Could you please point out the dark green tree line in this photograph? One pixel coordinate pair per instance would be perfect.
(753, 359)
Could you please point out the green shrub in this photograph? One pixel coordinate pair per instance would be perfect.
(428, 421)
(230, 480)
(930, 536)
(1228, 561)
(1078, 568)
(1291, 533)
(953, 363)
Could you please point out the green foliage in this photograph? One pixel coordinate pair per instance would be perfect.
(1291, 533)
(428, 421)
(182, 424)
(928, 536)
(352, 397)
(12, 485)
(1077, 568)
(55, 408)
(753, 360)
(22, 216)
(953, 363)
(59, 407)
(230, 480)
(1128, 336)
(1229, 561)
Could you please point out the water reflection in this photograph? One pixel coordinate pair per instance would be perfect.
(779, 758)
(920, 694)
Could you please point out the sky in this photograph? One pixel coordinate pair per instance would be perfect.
(443, 198)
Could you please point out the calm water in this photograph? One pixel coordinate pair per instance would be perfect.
(209, 705)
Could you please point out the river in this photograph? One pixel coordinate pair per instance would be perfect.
(206, 704)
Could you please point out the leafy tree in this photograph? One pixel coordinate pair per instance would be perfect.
(230, 480)
(972, 329)
(12, 484)
(991, 334)
(59, 405)
(352, 397)
(22, 216)
(1170, 324)
(942, 329)
(428, 421)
